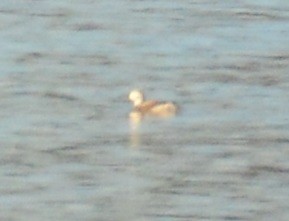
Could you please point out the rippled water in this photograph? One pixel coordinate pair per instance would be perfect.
(68, 151)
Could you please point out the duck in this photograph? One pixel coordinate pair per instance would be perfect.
(142, 107)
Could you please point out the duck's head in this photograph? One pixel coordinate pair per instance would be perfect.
(136, 97)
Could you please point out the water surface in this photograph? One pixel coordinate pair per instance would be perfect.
(68, 149)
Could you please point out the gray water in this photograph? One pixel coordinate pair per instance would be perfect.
(68, 150)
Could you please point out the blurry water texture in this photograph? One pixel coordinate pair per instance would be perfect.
(68, 151)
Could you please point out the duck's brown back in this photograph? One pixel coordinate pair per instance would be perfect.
(164, 109)
(146, 106)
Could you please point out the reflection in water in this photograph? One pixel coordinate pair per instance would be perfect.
(135, 118)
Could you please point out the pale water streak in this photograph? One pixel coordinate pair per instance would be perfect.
(68, 149)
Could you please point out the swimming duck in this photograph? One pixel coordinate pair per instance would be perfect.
(150, 107)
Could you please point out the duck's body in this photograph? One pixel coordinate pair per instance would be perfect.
(151, 107)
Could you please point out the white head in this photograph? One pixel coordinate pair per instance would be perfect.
(136, 97)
